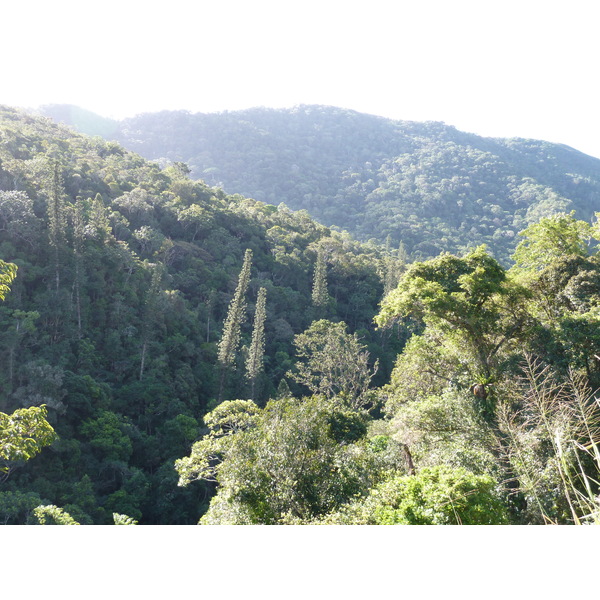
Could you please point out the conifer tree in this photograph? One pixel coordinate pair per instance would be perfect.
(99, 222)
(78, 248)
(320, 297)
(150, 316)
(283, 389)
(394, 266)
(254, 363)
(57, 220)
(210, 304)
(235, 317)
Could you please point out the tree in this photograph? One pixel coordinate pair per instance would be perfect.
(23, 434)
(53, 515)
(254, 363)
(434, 496)
(290, 462)
(227, 419)
(393, 266)
(8, 272)
(235, 317)
(57, 221)
(333, 363)
(150, 313)
(16, 507)
(120, 519)
(17, 218)
(99, 223)
(78, 248)
(320, 297)
(447, 429)
(469, 300)
(107, 436)
(554, 262)
(552, 238)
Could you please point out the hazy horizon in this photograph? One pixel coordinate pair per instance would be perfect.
(512, 69)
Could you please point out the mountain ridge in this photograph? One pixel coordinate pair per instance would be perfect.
(426, 185)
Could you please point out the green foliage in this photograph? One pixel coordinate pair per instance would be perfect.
(447, 429)
(435, 496)
(254, 362)
(553, 238)
(231, 416)
(320, 297)
(23, 434)
(8, 272)
(236, 315)
(107, 436)
(426, 366)
(299, 460)
(554, 262)
(123, 520)
(447, 289)
(469, 301)
(16, 507)
(228, 418)
(53, 515)
(333, 363)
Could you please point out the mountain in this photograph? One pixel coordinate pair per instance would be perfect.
(427, 185)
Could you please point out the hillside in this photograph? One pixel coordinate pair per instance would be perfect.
(125, 275)
(427, 185)
(172, 354)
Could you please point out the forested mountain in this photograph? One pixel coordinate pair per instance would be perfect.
(173, 354)
(125, 275)
(427, 185)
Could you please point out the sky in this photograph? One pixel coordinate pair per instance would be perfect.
(525, 68)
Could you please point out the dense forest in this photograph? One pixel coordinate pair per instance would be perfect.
(174, 354)
(425, 185)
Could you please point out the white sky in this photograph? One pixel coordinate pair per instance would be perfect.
(526, 68)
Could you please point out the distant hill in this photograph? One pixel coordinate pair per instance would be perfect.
(85, 121)
(427, 185)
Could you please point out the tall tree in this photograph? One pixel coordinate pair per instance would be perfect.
(254, 363)
(235, 317)
(8, 272)
(78, 248)
(150, 313)
(393, 267)
(99, 223)
(57, 220)
(320, 297)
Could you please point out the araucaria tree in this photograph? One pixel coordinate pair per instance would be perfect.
(151, 310)
(235, 317)
(320, 297)
(57, 220)
(254, 362)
